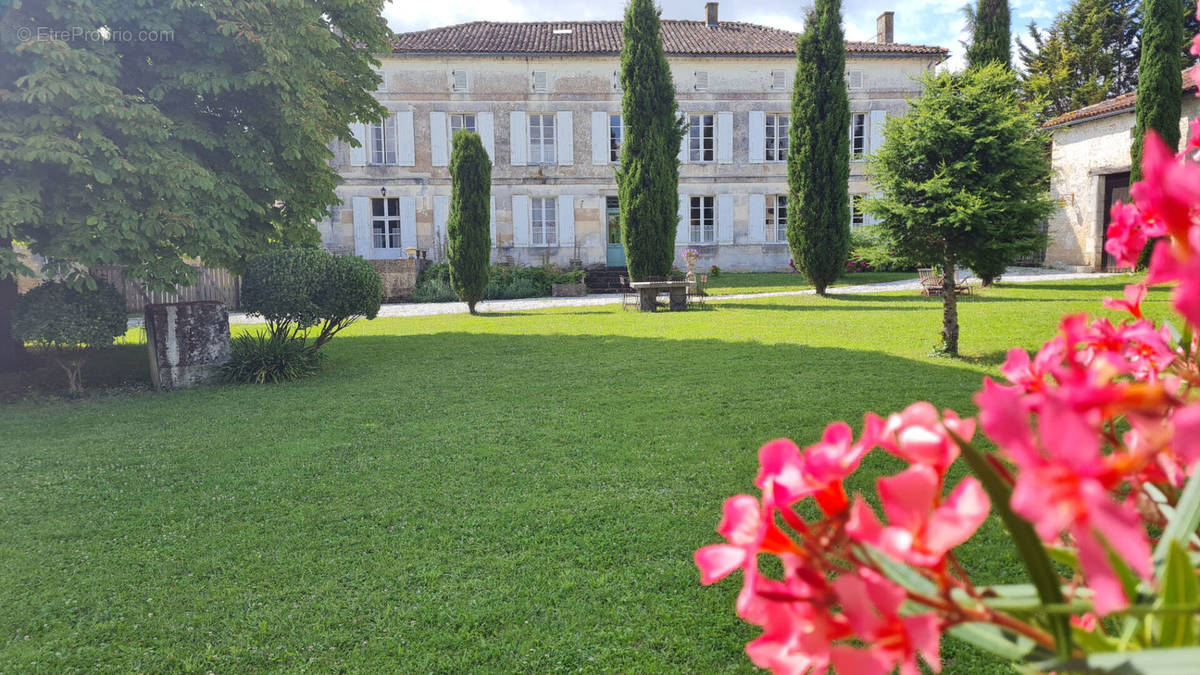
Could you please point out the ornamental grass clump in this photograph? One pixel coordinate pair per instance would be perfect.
(70, 323)
(1094, 477)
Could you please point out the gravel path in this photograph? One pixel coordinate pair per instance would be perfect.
(1017, 275)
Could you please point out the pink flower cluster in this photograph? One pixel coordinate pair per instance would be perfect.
(1083, 427)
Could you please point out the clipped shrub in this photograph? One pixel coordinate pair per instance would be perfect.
(296, 289)
(257, 358)
(68, 323)
(871, 249)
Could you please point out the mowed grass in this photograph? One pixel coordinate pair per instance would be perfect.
(736, 283)
(498, 493)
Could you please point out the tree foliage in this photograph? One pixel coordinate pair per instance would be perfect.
(965, 177)
(818, 224)
(148, 133)
(648, 178)
(67, 321)
(991, 34)
(468, 244)
(1160, 82)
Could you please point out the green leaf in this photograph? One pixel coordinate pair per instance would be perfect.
(1146, 662)
(1186, 341)
(1179, 589)
(1184, 522)
(1028, 544)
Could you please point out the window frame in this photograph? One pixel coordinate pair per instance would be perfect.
(696, 150)
(858, 133)
(772, 135)
(388, 224)
(774, 228)
(544, 121)
(473, 128)
(700, 206)
(382, 138)
(543, 221)
(616, 136)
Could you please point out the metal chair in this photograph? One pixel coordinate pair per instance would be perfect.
(629, 297)
(696, 293)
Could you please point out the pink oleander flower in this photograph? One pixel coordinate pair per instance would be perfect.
(748, 533)
(922, 527)
(1193, 140)
(871, 605)
(1032, 375)
(1169, 263)
(1126, 234)
(796, 638)
(1167, 191)
(786, 475)
(1134, 295)
(919, 435)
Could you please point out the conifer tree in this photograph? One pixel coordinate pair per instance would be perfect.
(818, 224)
(1160, 81)
(648, 178)
(468, 242)
(990, 34)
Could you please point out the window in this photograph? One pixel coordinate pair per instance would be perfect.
(544, 221)
(857, 217)
(541, 139)
(383, 141)
(778, 79)
(385, 222)
(458, 80)
(703, 229)
(701, 80)
(616, 132)
(858, 136)
(777, 137)
(777, 218)
(541, 80)
(854, 79)
(701, 138)
(464, 122)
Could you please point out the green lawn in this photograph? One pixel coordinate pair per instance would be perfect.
(501, 493)
(734, 283)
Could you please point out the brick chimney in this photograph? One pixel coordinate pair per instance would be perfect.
(885, 28)
(710, 14)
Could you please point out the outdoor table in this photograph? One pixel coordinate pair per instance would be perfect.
(648, 293)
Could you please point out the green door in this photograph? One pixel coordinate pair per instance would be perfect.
(612, 222)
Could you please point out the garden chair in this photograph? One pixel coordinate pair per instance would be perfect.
(696, 293)
(962, 285)
(931, 283)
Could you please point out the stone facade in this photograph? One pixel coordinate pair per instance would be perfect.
(1091, 161)
(578, 93)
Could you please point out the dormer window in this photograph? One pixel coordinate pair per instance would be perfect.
(541, 80)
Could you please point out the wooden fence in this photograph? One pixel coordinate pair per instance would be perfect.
(211, 284)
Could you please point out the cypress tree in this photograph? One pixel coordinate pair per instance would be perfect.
(1160, 81)
(648, 178)
(991, 39)
(467, 225)
(818, 224)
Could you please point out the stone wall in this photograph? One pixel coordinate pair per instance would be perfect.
(399, 277)
(187, 342)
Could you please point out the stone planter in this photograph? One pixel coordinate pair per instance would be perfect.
(187, 341)
(399, 277)
(568, 290)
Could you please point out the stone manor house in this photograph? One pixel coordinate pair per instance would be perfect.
(546, 100)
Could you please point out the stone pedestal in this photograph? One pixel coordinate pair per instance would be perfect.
(187, 341)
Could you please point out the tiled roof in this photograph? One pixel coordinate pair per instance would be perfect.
(1112, 105)
(604, 37)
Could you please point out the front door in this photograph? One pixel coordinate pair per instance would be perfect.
(612, 225)
(1116, 188)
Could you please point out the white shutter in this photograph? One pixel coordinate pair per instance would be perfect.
(405, 148)
(362, 226)
(683, 144)
(565, 143)
(724, 219)
(486, 125)
(517, 134)
(408, 221)
(758, 136)
(441, 211)
(439, 154)
(758, 219)
(358, 156)
(725, 138)
(520, 219)
(878, 117)
(566, 220)
(683, 231)
(492, 221)
(599, 138)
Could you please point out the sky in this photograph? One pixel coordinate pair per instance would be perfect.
(931, 22)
